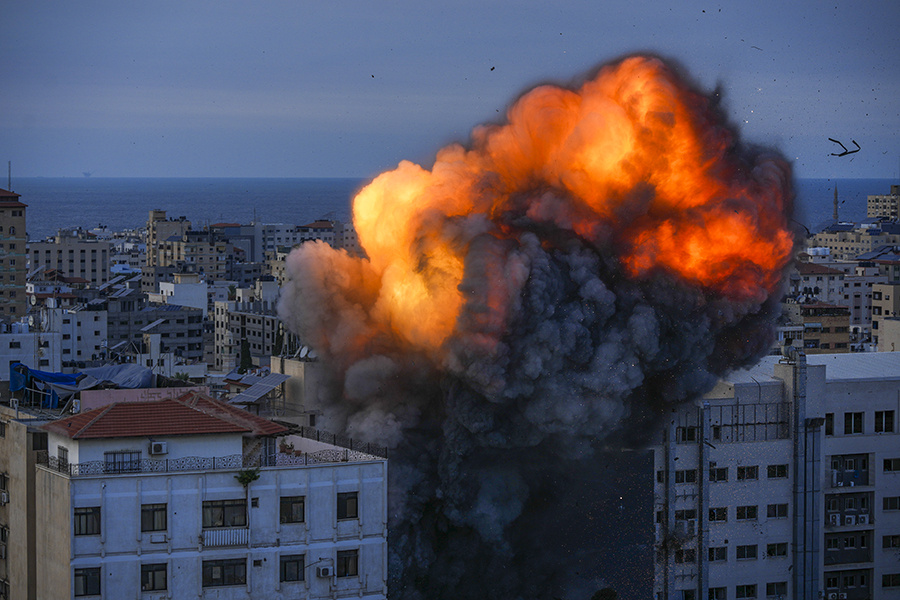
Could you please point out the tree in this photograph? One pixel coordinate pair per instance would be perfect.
(246, 359)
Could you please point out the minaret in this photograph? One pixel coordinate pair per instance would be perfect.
(835, 215)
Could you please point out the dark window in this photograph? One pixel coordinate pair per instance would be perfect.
(891, 465)
(224, 572)
(87, 520)
(747, 473)
(745, 591)
(890, 503)
(347, 505)
(718, 593)
(126, 461)
(720, 474)
(686, 434)
(87, 582)
(153, 577)
(890, 580)
(718, 553)
(153, 517)
(777, 589)
(746, 513)
(775, 550)
(829, 423)
(777, 471)
(718, 514)
(853, 423)
(685, 555)
(293, 509)
(292, 567)
(347, 563)
(777, 511)
(686, 476)
(747, 552)
(224, 513)
(884, 421)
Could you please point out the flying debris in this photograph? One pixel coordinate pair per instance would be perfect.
(845, 152)
(530, 305)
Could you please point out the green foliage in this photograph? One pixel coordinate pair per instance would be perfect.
(247, 476)
(246, 360)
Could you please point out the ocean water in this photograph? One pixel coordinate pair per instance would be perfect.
(124, 203)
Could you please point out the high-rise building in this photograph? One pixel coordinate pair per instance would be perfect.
(13, 258)
(783, 482)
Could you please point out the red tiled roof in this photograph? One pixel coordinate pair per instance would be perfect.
(11, 199)
(190, 414)
(816, 269)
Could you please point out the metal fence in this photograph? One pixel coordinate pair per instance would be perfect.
(343, 441)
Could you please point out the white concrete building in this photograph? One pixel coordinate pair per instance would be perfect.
(193, 498)
(185, 290)
(784, 482)
(82, 330)
(20, 342)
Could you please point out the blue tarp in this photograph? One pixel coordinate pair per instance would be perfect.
(55, 386)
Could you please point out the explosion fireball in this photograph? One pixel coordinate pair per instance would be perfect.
(607, 251)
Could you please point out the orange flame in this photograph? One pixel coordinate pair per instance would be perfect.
(642, 165)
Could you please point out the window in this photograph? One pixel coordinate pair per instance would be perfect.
(853, 423)
(777, 471)
(891, 465)
(87, 582)
(347, 563)
(686, 476)
(685, 514)
(746, 513)
(292, 509)
(292, 566)
(718, 514)
(16, 345)
(890, 580)
(776, 550)
(125, 461)
(685, 555)
(718, 593)
(777, 589)
(884, 421)
(686, 434)
(747, 473)
(224, 513)
(153, 517)
(747, 552)
(347, 505)
(718, 553)
(890, 541)
(87, 520)
(231, 571)
(776, 511)
(832, 543)
(720, 474)
(153, 577)
(831, 582)
(745, 591)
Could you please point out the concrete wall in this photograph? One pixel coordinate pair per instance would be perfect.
(53, 535)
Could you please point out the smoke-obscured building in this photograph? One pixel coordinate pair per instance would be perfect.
(783, 482)
(13, 257)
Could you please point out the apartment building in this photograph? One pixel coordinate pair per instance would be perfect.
(186, 497)
(783, 482)
(82, 330)
(884, 205)
(847, 241)
(160, 228)
(13, 257)
(74, 253)
(826, 327)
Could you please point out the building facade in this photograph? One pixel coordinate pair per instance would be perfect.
(13, 256)
(784, 482)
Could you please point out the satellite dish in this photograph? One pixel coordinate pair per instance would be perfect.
(303, 351)
(312, 355)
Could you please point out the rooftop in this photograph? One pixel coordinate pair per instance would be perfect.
(190, 414)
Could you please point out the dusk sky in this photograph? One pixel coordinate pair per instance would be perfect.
(349, 89)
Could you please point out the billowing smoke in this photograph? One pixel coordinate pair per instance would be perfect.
(531, 303)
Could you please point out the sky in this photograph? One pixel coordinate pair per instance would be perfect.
(350, 88)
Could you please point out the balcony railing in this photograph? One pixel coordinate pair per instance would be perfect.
(842, 478)
(232, 462)
(226, 536)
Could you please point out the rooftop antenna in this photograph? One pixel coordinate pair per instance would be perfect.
(9, 176)
(835, 216)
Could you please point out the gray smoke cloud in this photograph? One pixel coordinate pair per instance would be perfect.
(508, 477)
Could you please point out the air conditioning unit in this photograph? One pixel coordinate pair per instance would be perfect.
(324, 571)
(158, 448)
(863, 519)
(834, 519)
(842, 596)
(849, 519)
(4, 497)
(832, 596)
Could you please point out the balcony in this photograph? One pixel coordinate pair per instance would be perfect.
(226, 536)
(845, 478)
